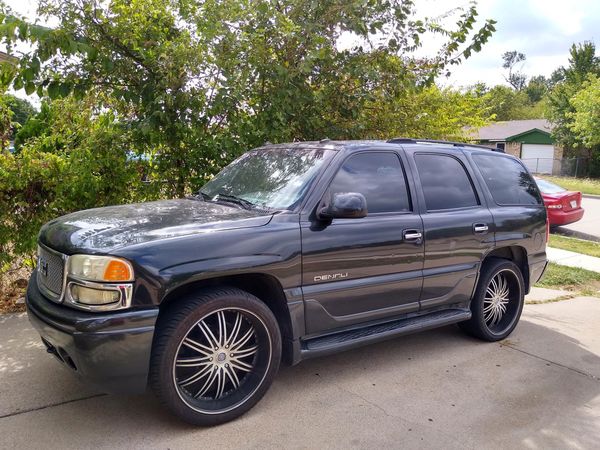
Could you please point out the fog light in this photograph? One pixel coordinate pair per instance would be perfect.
(89, 296)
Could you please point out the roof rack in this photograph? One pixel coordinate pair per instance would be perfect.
(433, 141)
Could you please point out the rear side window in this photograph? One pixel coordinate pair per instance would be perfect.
(379, 177)
(445, 183)
(507, 180)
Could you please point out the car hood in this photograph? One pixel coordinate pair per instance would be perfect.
(102, 230)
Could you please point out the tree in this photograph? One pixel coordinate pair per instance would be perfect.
(198, 82)
(79, 160)
(21, 108)
(36, 126)
(6, 124)
(20, 111)
(537, 88)
(515, 78)
(585, 118)
(583, 62)
(504, 103)
(430, 113)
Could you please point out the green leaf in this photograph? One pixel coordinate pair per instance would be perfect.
(18, 83)
(28, 74)
(53, 89)
(30, 88)
(64, 89)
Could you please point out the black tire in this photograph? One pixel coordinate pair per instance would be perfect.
(241, 379)
(488, 321)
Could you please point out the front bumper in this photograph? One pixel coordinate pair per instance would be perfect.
(111, 350)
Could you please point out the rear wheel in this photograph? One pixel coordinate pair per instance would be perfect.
(215, 356)
(498, 301)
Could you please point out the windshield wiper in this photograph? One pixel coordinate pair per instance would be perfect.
(234, 199)
(203, 196)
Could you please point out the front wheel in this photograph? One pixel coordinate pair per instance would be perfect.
(498, 301)
(215, 356)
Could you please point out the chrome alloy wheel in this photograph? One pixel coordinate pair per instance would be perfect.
(501, 300)
(222, 360)
(496, 300)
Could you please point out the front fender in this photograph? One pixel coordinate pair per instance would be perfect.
(166, 265)
(278, 266)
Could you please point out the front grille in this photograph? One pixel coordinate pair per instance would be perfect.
(51, 267)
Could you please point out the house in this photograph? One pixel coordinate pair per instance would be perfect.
(529, 140)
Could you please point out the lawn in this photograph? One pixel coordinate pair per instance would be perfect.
(575, 245)
(584, 185)
(583, 281)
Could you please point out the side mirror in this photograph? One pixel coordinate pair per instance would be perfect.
(348, 205)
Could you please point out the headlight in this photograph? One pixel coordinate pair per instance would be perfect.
(100, 268)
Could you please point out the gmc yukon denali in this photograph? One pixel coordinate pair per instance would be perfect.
(292, 251)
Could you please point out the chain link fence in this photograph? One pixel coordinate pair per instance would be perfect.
(567, 167)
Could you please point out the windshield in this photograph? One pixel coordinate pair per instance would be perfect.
(548, 188)
(274, 178)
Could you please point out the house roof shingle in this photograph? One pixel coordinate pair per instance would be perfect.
(500, 131)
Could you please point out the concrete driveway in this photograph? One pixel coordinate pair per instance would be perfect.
(439, 389)
(588, 227)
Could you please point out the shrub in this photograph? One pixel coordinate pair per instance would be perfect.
(80, 160)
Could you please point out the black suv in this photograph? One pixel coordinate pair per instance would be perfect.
(292, 251)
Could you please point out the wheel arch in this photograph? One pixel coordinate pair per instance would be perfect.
(265, 287)
(516, 254)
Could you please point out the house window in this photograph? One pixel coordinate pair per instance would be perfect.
(500, 147)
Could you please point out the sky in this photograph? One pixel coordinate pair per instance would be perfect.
(541, 29)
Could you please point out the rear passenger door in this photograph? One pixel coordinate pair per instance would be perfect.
(517, 206)
(458, 227)
(358, 270)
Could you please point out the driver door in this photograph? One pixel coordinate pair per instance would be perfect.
(358, 270)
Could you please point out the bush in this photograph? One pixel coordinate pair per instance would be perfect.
(80, 160)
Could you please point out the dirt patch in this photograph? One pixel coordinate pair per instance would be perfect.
(13, 283)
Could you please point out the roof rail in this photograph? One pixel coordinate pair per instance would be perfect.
(433, 141)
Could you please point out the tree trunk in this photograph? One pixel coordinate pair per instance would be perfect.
(180, 185)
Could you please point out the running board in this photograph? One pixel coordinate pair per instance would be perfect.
(346, 340)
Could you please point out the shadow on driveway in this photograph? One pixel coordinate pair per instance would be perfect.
(441, 389)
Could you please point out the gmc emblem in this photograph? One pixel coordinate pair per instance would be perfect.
(43, 267)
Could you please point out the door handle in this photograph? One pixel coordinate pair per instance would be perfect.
(480, 228)
(413, 235)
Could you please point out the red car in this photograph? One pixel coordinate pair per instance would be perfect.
(563, 206)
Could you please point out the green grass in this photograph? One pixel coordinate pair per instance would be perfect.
(575, 245)
(584, 185)
(583, 281)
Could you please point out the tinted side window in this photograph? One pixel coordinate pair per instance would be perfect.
(508, 181)
(445, 182)
(379, 177)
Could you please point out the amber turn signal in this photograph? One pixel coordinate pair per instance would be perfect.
(117, 271)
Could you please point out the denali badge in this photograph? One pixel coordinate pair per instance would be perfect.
(331, 276)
